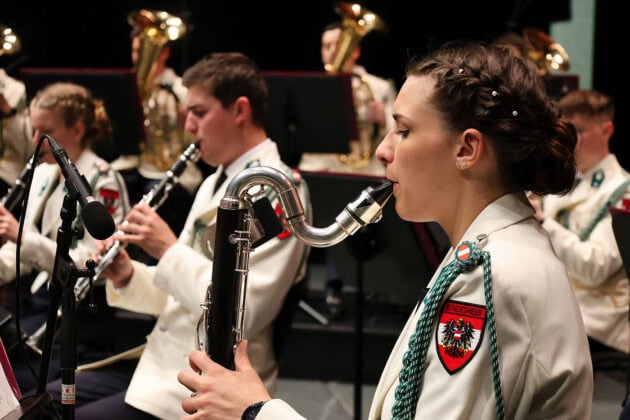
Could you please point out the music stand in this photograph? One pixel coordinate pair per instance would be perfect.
(115, 87)
(310, 112)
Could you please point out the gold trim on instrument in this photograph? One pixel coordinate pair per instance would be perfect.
(9, 41)
(547, 54)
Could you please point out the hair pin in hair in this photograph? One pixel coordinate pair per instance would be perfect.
(515, 113)
(461, 71)
(495, 93)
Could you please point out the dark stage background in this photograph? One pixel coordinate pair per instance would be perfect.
(286, 35)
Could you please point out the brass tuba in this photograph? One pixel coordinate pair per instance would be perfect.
(9, 42)
(165, 137)
(357, 21)
(547, 54)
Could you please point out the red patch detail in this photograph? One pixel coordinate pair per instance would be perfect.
(625, 204)
(459, 333)
(110, 199)
(285, 233)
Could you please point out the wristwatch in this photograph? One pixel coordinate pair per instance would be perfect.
(251, 412)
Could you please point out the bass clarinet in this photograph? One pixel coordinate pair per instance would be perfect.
(154, 198)
(221, 322)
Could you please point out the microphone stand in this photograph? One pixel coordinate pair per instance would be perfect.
(64, 276)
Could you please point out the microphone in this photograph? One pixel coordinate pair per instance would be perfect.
(95, 217)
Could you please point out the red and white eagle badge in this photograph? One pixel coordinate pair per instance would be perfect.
(459, 333)
(110, 199)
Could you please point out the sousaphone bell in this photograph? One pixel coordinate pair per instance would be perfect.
(547, 54)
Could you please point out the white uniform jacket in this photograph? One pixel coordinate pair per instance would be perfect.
(15, 140)
(175, 288)
(544, 360)
(44, 204)
(594, 265)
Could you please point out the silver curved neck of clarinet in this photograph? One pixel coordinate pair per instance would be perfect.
(365, 209)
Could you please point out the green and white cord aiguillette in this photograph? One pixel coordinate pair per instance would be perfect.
(468, 256)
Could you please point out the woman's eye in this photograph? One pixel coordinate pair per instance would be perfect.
(402, 133)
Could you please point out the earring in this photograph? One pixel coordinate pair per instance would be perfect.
(460, 165)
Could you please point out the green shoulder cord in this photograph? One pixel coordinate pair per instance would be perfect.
(410, 377)
(615, 197)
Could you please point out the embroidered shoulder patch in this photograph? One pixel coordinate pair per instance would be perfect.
(110, 199)
(459, 333)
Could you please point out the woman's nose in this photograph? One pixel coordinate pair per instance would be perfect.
(384, 151)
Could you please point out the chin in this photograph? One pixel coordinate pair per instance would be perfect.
(402, 211)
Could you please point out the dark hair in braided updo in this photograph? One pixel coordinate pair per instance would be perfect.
(490, 89)
(75, 103)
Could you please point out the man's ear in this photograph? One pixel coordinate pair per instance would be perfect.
(242, 109)
(608, 128)
(469, 148)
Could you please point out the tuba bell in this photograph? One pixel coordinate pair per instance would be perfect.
(357, 21)
(165, 137)
(9, 42)
(547, 54)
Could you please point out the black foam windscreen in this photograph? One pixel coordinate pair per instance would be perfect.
(97, 220)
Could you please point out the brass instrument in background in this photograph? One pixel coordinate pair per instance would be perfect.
(9, 42)
(356, 23)
(547, 54)
(165, 137)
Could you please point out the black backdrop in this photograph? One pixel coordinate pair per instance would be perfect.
(284, 35)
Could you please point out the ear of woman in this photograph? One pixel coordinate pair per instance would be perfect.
(469, 149)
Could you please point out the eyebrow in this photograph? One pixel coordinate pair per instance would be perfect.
(397, 116)
(194, 106)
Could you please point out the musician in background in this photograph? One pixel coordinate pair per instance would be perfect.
(377, 113)
(15, 131)
(225, 113)
(141, 175)
(68, 113)
(580, 225)
(376, 110)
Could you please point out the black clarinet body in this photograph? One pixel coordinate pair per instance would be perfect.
(154, 198)
(14, 196)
